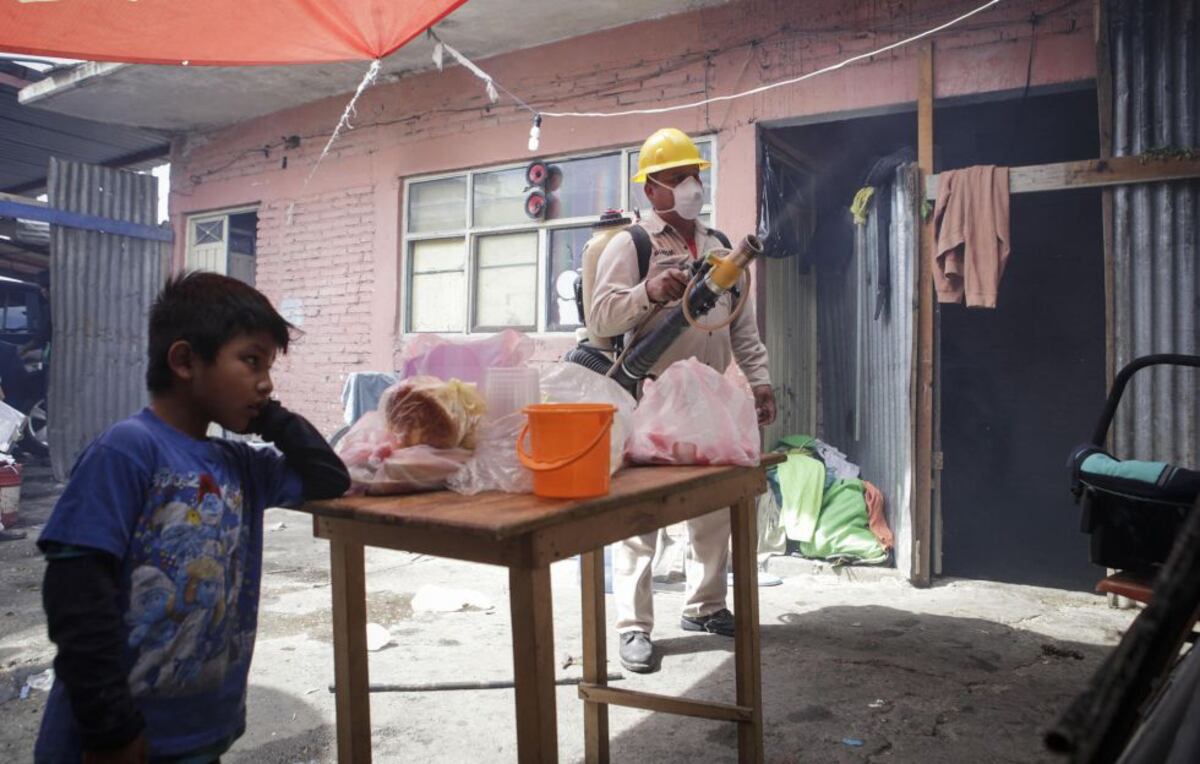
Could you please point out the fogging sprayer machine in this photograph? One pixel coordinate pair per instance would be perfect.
(720, 271)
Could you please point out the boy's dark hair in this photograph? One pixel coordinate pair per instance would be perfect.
(206, 310)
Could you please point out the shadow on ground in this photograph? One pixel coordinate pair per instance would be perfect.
(285, 730)
(858, 684)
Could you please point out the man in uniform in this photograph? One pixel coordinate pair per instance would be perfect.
(670, 165)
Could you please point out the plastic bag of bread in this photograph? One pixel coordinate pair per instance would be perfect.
(379, 463)
(416, 468)
(367, 443)
(425, 411)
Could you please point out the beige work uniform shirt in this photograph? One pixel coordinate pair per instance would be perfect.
(620, 303)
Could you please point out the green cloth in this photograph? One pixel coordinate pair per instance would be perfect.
(801, 483)
(842, 531)
(796, 443)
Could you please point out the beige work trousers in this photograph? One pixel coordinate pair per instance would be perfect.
(704, 567)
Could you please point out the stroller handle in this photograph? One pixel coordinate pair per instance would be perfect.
(1122, 379)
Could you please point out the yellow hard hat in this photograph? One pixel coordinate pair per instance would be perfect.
(665, 149)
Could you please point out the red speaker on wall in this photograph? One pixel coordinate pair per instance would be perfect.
(542, 180)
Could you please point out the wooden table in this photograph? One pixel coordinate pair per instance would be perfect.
(526, 534)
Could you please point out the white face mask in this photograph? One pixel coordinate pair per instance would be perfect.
(689, 197)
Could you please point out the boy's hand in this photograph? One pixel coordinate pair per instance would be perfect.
(270, 417)
(133, 752)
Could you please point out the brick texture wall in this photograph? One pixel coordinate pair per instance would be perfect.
(318, 269)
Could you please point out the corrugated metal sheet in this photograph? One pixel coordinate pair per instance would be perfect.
(102, 287)
(839, 295)
(866, 364)
(791, 315)
(791, 347)
(1155, 57)
(884, 446)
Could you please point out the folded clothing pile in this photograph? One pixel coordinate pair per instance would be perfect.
(825, 507)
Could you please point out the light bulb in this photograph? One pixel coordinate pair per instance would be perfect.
(535, 133)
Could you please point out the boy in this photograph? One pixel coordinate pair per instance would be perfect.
(154, 549)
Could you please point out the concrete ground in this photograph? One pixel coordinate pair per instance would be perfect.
(857, 665)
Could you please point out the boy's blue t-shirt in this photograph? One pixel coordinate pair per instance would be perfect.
(185, 518)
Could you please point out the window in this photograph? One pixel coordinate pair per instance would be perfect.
(475, 262)
(210, 231)
(14, 319)
(14, 303)
(224, 242)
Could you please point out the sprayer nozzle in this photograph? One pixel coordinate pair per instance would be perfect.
(746, 250)
(726, 273)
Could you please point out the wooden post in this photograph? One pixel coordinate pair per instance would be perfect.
(923, 453)
(746, 645)
(348, 583)
(533, 664)
(595, 656)
(1104, 108)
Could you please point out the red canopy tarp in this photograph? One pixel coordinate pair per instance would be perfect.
(216, 32)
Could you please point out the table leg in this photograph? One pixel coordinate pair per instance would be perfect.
(749, 668)
(595, 656)
(533, 664)
(347, 578)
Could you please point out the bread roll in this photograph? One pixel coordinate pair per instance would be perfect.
(427, 411)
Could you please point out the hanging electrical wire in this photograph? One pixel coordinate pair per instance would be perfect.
(494, 88)
(781, 83)
(538, 115)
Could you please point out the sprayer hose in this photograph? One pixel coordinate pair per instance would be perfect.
(687, 314)
(633, 340)
(733, 316)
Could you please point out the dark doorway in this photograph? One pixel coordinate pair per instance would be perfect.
(843, 359)
(1022, 384)
(243, 239)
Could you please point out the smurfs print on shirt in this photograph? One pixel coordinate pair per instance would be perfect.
(187, 555)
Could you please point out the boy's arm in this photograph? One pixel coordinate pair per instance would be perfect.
(81, 597)
(321, 471)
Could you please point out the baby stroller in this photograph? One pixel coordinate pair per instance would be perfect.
(1132, 509)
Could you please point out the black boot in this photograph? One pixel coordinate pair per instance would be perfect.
(720, 622)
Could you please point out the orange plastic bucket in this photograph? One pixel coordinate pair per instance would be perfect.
(571, 448)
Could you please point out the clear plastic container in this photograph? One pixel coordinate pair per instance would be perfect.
(508, 390)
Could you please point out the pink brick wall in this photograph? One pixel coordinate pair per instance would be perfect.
(339, 259)
(323, 265)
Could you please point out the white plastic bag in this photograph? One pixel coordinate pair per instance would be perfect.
(571, 383)
(495, 466)
(694, 415)
(11, 422)
(379, 464)
(416, 468)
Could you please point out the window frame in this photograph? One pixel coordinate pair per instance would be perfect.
(470, 234)
(193, 219)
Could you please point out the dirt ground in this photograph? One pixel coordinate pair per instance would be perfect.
(857, 665)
